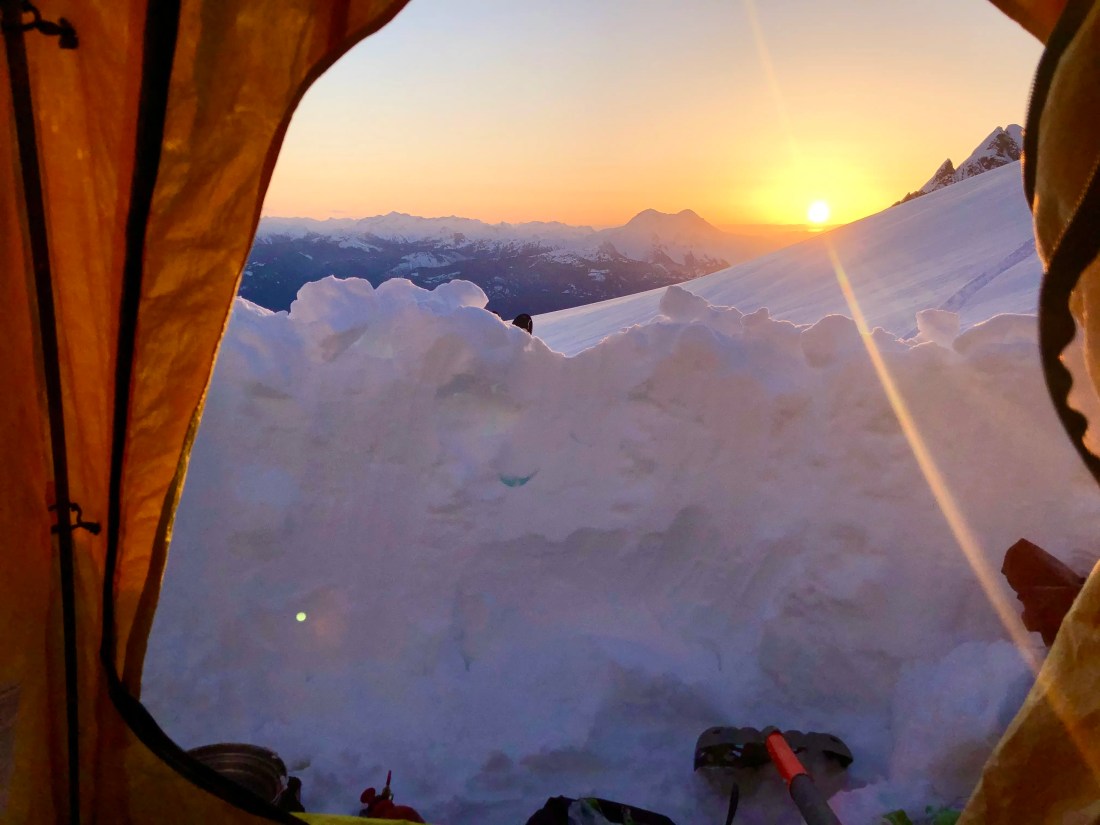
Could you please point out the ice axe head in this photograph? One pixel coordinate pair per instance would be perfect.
(752, 748)
(728, 747)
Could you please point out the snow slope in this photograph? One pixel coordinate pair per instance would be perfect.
(967, 248)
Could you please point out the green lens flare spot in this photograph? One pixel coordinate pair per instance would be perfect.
(301, 616)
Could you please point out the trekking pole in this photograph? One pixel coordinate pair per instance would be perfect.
(810, 801)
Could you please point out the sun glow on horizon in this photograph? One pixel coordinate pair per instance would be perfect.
(818, 212)
(490, 119)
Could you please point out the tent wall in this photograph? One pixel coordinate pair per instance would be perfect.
(1037, 16)
(156, 139)
(30, 732)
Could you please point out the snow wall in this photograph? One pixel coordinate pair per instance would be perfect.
(527, 575)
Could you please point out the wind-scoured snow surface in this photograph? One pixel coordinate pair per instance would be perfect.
(526, 574)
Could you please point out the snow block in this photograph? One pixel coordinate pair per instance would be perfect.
(938, 326)
(832, 338)
(999, 331)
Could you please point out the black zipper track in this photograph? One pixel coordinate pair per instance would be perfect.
(1078, 248)
(27, 138)
(1064, 31)
(159, 47)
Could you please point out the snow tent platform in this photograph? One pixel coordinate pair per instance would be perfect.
(132, 171)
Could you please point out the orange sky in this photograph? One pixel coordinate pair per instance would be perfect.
(588, 112)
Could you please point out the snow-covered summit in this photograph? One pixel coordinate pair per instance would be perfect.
(1002, 146)
(650, 234)
(684, 220)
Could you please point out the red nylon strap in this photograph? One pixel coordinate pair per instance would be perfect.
(783, 757)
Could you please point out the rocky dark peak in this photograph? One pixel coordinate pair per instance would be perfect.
(1002, 146)
(945, 176)
(1000, 149)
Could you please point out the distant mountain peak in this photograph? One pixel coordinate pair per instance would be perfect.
(945, 176)
(998, 149)
(685, 219)
(1002, 146)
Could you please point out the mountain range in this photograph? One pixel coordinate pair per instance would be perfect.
(1001, 147)
(532, 267)
(537, 267)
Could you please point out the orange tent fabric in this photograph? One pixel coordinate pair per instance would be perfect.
(155, 139)
(1037, 16)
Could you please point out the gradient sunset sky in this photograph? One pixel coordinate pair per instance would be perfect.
(588, 111)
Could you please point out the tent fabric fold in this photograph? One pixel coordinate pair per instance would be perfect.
(236, 69)
(1046, 768)
(1037, 16)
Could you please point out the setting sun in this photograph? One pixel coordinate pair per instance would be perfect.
(818, 212)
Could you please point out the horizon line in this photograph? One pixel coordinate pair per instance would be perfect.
(594, 227)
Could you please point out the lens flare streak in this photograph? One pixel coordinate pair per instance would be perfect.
(945, 500)
(960, 529)
(769, 72)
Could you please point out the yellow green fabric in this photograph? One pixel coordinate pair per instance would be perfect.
(1046, 769)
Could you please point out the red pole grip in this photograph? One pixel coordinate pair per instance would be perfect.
(785, 761)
